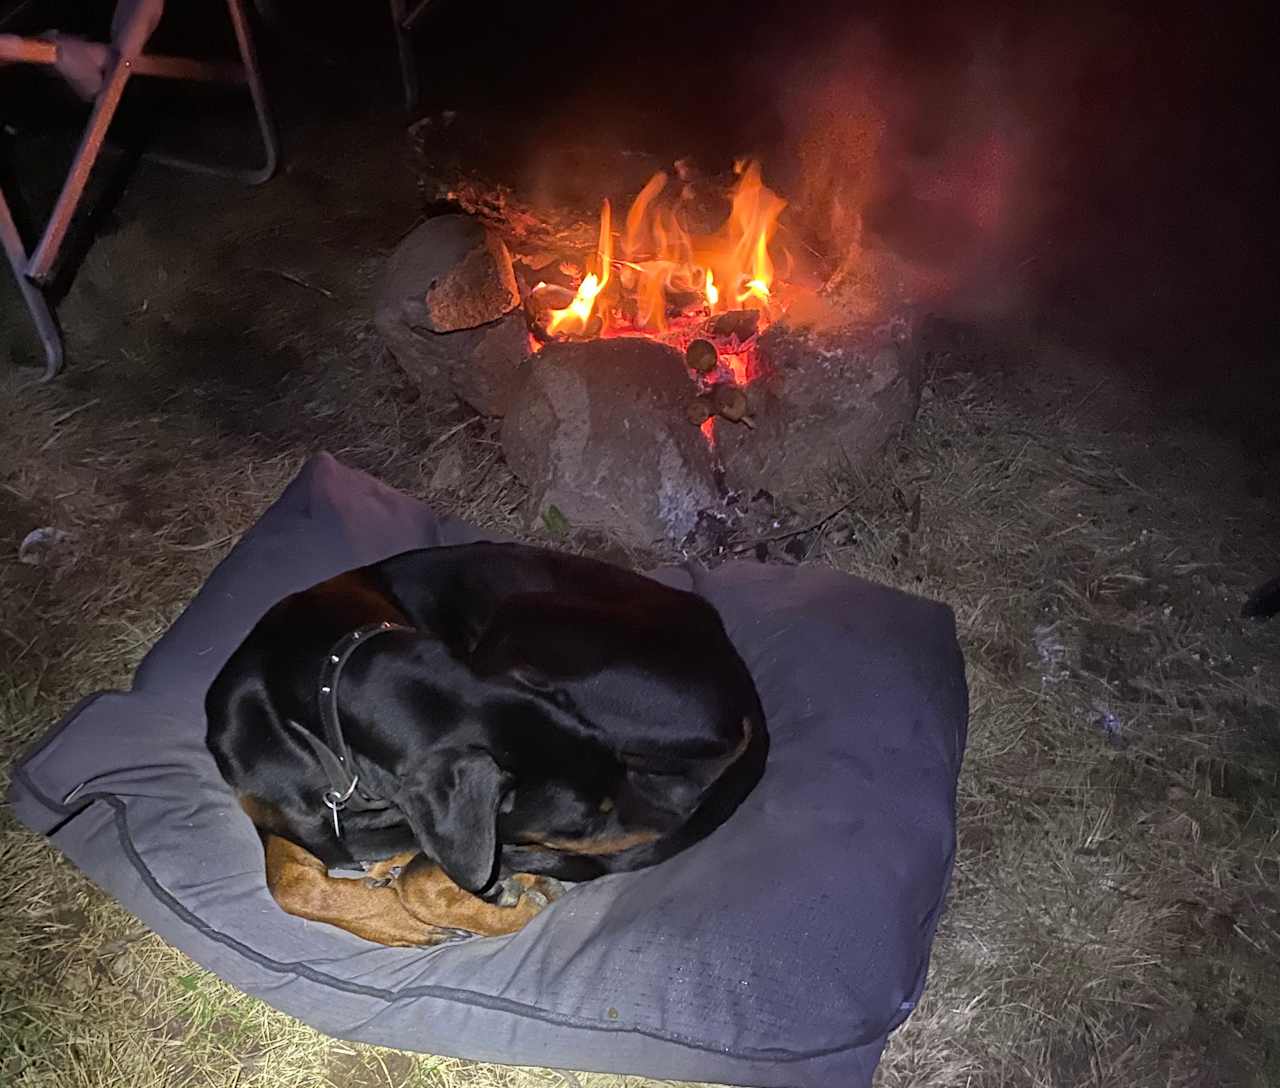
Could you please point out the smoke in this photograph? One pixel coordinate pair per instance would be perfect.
(920, 149)
(1101, 173)
(1092, 172)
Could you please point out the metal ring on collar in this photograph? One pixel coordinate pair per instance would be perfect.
(336, 800)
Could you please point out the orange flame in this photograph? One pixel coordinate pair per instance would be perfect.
(751, 227)
(663, 269)
(659, 256)
(575, 317)
(711, 290)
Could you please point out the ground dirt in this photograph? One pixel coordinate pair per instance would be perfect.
(1115, 914)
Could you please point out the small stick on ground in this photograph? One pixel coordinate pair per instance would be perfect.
(451, 432)
(301, 282)
(201, 547)
(57, 421)
(786, 534)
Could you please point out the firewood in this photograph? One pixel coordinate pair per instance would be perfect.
(699, 410)
(730, 402)
(701, 356)
(740, 323)
(678, 301)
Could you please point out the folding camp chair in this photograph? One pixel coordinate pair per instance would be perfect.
(100, 71)
(404, 18)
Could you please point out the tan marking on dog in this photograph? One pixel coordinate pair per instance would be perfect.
(428, 894)
(600, 844)
(416, 909)
(265, 816)
(301, 884)
(387, 868)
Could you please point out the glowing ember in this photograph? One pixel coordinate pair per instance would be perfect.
(739, 365)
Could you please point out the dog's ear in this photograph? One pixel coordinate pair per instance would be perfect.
(452, 808)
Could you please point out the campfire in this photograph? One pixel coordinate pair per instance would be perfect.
(665, 280)
(653, 367)
(709, 295)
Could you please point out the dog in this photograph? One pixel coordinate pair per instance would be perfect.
(472, 725)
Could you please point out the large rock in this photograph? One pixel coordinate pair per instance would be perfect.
(821, 402)
(449, 310)
(599, 430)
(451, 273)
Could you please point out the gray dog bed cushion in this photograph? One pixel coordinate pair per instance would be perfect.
(781, 950)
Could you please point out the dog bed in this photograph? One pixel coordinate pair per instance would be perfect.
(781, 950)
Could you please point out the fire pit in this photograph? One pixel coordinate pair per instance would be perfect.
(648, 367)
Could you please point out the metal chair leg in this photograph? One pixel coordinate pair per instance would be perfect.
(258, 91)
(261, 108)
(404, 46)
(104, 107)
(37, 305)
(32, 272)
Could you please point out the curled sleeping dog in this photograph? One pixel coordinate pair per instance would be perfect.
(471, 725)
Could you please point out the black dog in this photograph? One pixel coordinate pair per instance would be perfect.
(494, 710)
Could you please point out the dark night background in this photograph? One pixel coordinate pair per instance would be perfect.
(1135, 217)
(1083, 194)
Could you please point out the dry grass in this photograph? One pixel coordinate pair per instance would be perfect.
(1116, 910)
(1115, 917)
(87, 995)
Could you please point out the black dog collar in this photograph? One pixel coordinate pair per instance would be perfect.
(344, 783)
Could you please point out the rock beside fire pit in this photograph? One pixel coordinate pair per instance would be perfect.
(599, 430)
(449, 310)
(822, 401)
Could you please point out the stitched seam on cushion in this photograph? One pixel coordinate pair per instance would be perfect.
(37, 747)
(444, 993)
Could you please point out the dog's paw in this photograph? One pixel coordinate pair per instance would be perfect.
(382, 875)
(550, 887)
(541, 891)
(536, 898)
(438, 935)
(524, 888)
(505, 893)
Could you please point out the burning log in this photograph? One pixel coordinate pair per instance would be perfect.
(701, 355)
(539, 304)
(742, 324)
(730, 402)
(619, 449)
(700, 409)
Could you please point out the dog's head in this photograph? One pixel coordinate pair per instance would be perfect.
(469, 757)
(565, 740)
(561, 726)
